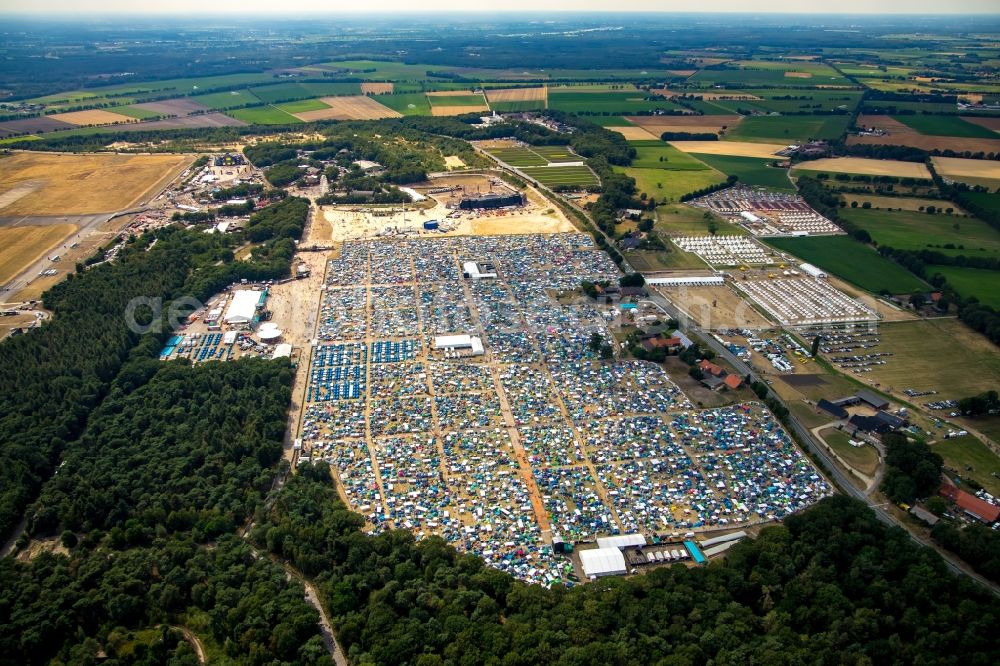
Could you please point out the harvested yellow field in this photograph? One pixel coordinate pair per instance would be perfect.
(733, 148)
(93, 117)
(457, 110)
(798, 75)
(22, 246)
(516, 95)
(904, 203)
(82, 184)
(634, 133)
(355, 107)
(956, 167)
(870, 167)
(378, 88)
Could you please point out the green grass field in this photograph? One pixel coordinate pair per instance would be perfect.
(659, 155)
(457, 100)
(302, 106)
(805, 100)
(624, 103)
(409, 104)
(946, 126)
(750, 170)
(382, 70)
(773, 73)
(987, 200)
(280, 91)
(324, 89)
(512, 107)
(611, 121)
(983, 284)
(781, 129)
(864, 458)
(966, 451)
(264, 115)
(555, 176)
(852, 261)
(666, 186)
(227, 100)
(557, 153)
(141, 91)
(684, 220)
(913, 230)
(519, 157)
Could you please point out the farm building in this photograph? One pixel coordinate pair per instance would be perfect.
(832, 408)
(243, 307)
(882, 422)
(873, 400)
(601, 562)
(970, 504)
(621, 541)
(492, 201)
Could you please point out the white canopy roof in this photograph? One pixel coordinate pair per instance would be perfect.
(603, 562)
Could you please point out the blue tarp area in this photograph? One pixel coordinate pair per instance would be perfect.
(168, 350)
(696, 555)
(175, 340)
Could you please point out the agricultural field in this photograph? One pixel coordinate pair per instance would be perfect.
(901, 203)
(93, 117)
(533, 156)
(264, 115)
(683, 220)
(659, 155)
(750, 170)
(407, 104)
(230, 99)
(666, 186)
(59, 184)
(563, 176)
(864, 166)
(21, 246)
(983, 284)
(358, 107)
(734, 148)
(854, 262)
(301, 106)
(171, 107)
(282, 92)
(504, 100)
(900, 134)
(977, 172)
(617, 103)
(714, 124)
(447, 104)
(914, 230)
(792, 129)
(961, 453)
(783, 74)
(942, 355)
(136, 112)
(945, 126)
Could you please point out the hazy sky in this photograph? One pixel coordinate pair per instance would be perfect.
(334, 7)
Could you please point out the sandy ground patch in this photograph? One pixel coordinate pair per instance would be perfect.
(23, 246)
(798, 75)
(82, 184)
(93, 117)
(867, 166)
(377, 88)
(715, 307)
(19, 191)
(355, 107)
(734, 148)
(454, 162)
(515, 94)
(635, 133)
(457, 110)
(956, 167)
(988, 123)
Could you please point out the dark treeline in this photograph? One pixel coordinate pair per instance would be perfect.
(912, 469)
(830, 585)
(689, 136)
(729, 182)
(975, 543)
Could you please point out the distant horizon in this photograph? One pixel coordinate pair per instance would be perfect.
(123, 9)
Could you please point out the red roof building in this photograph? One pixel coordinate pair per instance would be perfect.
(733, 381)
(711, 368)
(972, 505)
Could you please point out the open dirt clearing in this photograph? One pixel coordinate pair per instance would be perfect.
(516, 95)
(22, 246)
(457, 110)
(93, 117)
(84, 184)
(866, 166)
(734, 148)
(902, 135)
(454, 162)
(355, 107)
(956, 167)
(173, 107)
(377, 88)
(635, 133)
(715, 307)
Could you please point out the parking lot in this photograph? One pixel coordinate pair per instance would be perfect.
(501, 447)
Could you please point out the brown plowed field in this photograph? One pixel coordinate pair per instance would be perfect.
(901, 135)
(32, 125)
(199, 120)
(377, 88)
(988, 123)
(635, 133)
(181, 106)
(356, 107)
(93, 117)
